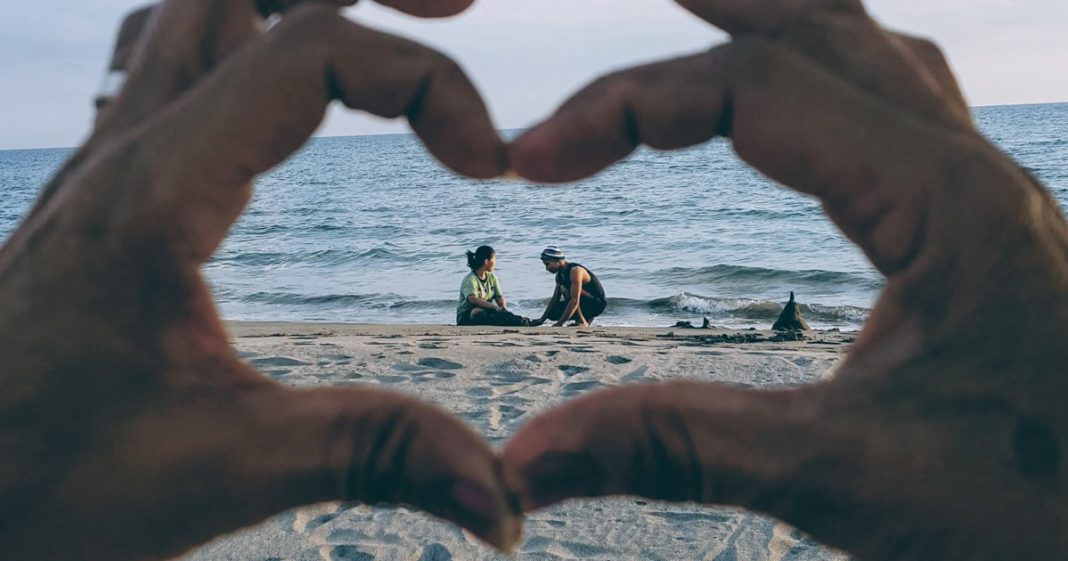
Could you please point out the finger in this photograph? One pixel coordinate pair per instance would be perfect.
(375, 447)
(769, 18)
(805, 456)
(132, 30)
(840, 36)
(680, 441)
(126, 42)
(791, 119)
(180, 43)
(188, 39)
(928, 54)
(214, 463)
(428, 8)
(665, 105)
(420, 8)
(266, 101)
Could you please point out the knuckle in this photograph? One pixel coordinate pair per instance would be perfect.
(746, 57)
(926, 49)
(376, 469)
(670, 465)
(310, 20)
(443, 67)
(617, 86)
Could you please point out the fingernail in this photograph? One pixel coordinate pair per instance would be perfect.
(555, 477)
(475, 500)
(484, 515)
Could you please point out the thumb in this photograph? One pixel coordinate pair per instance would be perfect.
(377, 447)
(680, 441)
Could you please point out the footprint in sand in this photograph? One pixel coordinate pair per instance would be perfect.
(276, 373)
(443, 375)
(637, 374)
(494, 416)
(507, 372)
(407, 367)
(391, 379)
(515, 400)
(435, 552)
(679, 517)
(480, 392)
(346, 536)
(616, 359)
(536, 543)
(584, 550)
(532, 358)
(348, 553)
(439, 363)
(571, 370)
(277, 361)
(311, 517)
(576, 387)
(247, 354)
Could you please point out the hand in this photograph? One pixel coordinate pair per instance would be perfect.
(127, 424)
(944, 433)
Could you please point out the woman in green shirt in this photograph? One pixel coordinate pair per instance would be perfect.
(481, 298)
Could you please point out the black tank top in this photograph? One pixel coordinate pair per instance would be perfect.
(563, 278)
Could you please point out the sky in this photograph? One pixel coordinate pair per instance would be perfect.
(525, 56)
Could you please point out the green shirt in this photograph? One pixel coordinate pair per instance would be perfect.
(488, 290)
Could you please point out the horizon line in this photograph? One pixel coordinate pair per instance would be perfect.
(506, 129)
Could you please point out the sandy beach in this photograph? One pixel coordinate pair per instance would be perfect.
(497, 379)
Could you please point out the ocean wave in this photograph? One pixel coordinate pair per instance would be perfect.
(756, 310)
(321, 300)
(728, 310)
(323, 258)
(739, 274)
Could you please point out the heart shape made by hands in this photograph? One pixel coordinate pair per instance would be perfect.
(126, 414)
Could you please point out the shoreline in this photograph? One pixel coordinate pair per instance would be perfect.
(239, 329)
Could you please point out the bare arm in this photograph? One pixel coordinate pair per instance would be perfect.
(481, 303)
(552, 301)
(575, 299)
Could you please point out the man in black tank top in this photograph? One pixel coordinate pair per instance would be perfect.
(578, 296)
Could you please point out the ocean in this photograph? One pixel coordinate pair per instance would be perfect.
(370, 229)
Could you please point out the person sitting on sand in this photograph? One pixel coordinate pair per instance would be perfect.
(578, 293)
(481, 298)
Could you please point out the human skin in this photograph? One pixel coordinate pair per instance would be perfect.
(129, 429)
(942, 434)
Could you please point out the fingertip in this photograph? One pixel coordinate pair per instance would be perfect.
(479, 154)
(453, 121)
(490, 515)
(543, 155)
(428, 8)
